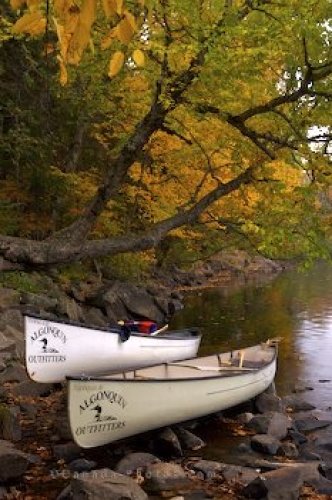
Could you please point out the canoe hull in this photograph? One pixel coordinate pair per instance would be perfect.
(103, 411)
(54, 350)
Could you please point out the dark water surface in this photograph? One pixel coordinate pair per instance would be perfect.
(295, 305)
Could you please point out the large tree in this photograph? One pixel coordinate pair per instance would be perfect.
(245, 88)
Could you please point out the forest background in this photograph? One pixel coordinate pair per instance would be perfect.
(144, 134)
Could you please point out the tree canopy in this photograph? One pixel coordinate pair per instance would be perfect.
(124, 124)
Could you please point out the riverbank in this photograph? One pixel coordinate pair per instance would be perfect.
(39, 460)
(285, 452)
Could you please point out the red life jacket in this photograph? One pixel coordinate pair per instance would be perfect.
(141, 326)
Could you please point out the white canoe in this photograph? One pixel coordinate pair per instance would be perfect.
(105, 409)
(55, 349)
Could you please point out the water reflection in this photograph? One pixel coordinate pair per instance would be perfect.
(295, 305)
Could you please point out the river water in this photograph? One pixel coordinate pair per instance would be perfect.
(294, 305)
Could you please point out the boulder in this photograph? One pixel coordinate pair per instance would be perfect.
(167, 444)
(13, 462)
(14, 373)
(294, 403)
(263, 443)
(135, 461)
(188, 440)
(31, 389)
(8, 298)
(235, 473)
(310, 424)
(105, 484)
(133, 300)
(38, 302)
(165, 477)
(67, 451)
(281, 484)
(10, 423)
(266, 402)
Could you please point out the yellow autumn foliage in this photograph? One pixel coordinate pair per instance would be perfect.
(116, 63)
(138, 57)
(33, 23)
(17, 4)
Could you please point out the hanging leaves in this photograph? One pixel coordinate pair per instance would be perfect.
(73, 23)
(32, 23)
(138, 57)
(16, 4)
(112, 7)
(126, 28)
(116, 63)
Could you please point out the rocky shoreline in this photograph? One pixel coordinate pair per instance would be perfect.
(286, 445)
(286, 452)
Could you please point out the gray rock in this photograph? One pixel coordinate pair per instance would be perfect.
(10, 423)
(323, 486)
(32, 389)
(310, 424)
(62, 427)
(13, 462)
(188, 440)
(12, 317)
(133, 299)
(245, 418)
(260, 423)
(68, 451)
(8, 298)
(134, 461)
(209, 468)
(288, 450)
(105, 484)
(7, 345)
(236, 473)
(14, 373)
(165, 477)
(94, 316)
(281, 484)
(166, 443)
(69, 308)
(297, 437)
(264, 443)
(279, 425)
(40, 302)
(295, 403)
(82, 465)
(268, 402)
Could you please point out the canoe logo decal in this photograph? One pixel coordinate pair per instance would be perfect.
(100, 412)
(47, 342)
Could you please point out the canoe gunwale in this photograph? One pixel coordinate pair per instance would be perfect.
(170, 334)
(143, 379)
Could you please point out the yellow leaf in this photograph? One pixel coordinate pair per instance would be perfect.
(138, 57)
(16, 4)
(33, 23)
(88, 12)
(71, 22)
(107, 41)
(110, 7)
(116, 63)
(119, 6)
(125, 31)
(82, 32)
(33, 5)
(130, 20)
